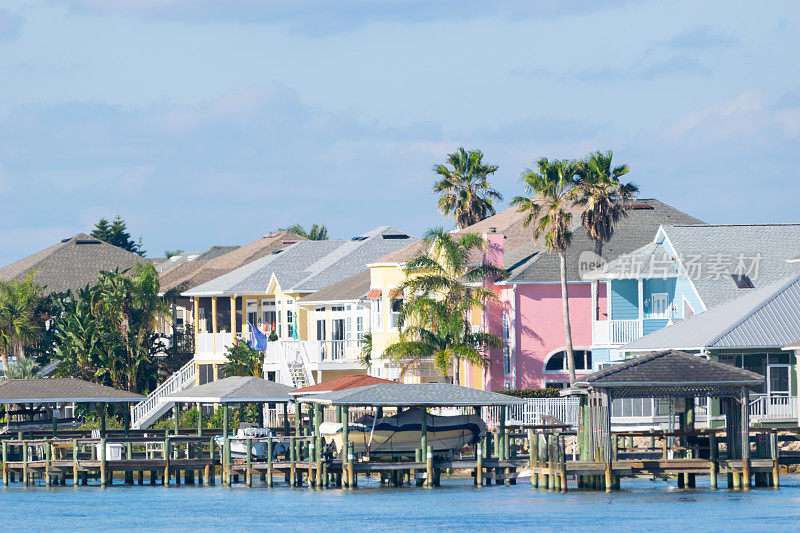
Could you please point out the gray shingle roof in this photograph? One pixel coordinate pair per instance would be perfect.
(768, 317)
(417, 394)
(651, 260)
(352, 288)
(61, 390)
(530, 263)
(71, 264)
(235, 389)
(669, 368)
(205, 255)
(775, 244)
(193, 273)
(306, 266)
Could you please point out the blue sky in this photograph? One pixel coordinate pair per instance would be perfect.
(202, 122)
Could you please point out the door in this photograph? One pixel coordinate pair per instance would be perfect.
(337, 336)
(323, 346)
(658, 305)
(778, 401)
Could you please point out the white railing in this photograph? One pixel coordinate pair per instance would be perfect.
(178, 381)
(536, 411)
(773, 408)
(344, 351)
(217, 342)
(290, 353)
(609, 332)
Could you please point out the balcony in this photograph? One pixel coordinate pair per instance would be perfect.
(318, 354)
(214, 345)
(616, 332)
(774, 409)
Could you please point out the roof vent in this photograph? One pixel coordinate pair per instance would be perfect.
(492, 229)
(359, 238)
(276, 252)
(639, 206)
(66, 240)
(396, 236)
(87, 241)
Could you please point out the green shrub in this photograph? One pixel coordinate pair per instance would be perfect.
(549, 392)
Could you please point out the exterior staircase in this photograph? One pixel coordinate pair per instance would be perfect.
(151, 408)
(297, 373)
(292, 360)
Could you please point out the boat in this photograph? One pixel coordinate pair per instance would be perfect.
(258, 450)
(401, 433)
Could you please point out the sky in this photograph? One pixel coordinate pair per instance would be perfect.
(205, 122)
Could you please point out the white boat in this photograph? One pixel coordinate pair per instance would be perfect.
(258, 450)
(402, 433)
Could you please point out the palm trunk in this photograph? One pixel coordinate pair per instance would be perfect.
(562, 263)
(4, 357)
(456, 370)
(598, 250)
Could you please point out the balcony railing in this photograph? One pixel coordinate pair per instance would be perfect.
(340, 351)
(773, 408)
(615, 332)
(217, 342)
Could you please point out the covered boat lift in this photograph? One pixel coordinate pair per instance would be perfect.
(400, 396)
(50, 392)
(674, 375)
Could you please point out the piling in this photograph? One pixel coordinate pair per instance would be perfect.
(351, 471)
(166, 462)
(773, 448)
(714, 467)
(478, 465)
(269, 462)
(249, 473)
(103, 462)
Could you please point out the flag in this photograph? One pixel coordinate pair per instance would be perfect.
(258, 340)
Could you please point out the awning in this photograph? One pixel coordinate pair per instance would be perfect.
(397, 292)
(373, 294)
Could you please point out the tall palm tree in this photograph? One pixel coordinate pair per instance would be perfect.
(441, 291)
(602, 196)
(19, 322)
(550, 189)
(467, 195)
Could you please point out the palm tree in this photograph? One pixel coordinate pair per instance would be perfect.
(19, 320)
(602, 197)
(25, 368)
(316, 233)
(441, 292)
(550, 190)
(467, 195)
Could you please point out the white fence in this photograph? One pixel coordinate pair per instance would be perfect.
(536, 411)
(344, 351)
(610, 332)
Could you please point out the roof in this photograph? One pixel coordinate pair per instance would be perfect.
(307, 266)
(416, 394)
(768, 317)
(352, 288)
(342, 383)
(671, 368)
(205, 255)
(794, 346)
(71, 264)
(190, 274)
(530, 262)
(772, 244)
(61, 390)
(235, 389)
(651, 260)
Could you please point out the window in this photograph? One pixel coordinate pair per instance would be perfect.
(557, 362)
(337, 308)
(376, 317)
(742, 281)
(349, 328)
(359, 325)
(206, 374)
(506, 346)
(397, 306)
(290, 323)
(659, 305)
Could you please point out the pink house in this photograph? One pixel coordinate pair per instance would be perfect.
(528, 313)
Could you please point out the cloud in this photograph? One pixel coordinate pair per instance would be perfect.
(326, 16)
(10, 25)
(643, 70)
(701, 38)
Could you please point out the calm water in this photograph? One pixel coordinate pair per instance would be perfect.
(640, 506)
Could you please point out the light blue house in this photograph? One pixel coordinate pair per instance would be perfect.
(686, 270)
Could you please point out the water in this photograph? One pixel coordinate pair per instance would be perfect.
(456, 506)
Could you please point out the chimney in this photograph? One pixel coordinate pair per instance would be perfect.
(493, 255)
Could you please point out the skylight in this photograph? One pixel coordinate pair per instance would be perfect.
(742, 281)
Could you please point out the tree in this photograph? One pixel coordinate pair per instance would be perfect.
(441, 292)
(467, 195)
(316, 233)
(20, 322)
(365, 342)
(602, 197)
(23, 369)
(242, 360)
(550, 190)
(172, 253)
(116, 233)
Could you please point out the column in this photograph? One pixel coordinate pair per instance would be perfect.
(196, 317)
(214, 322)
(233, 317)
